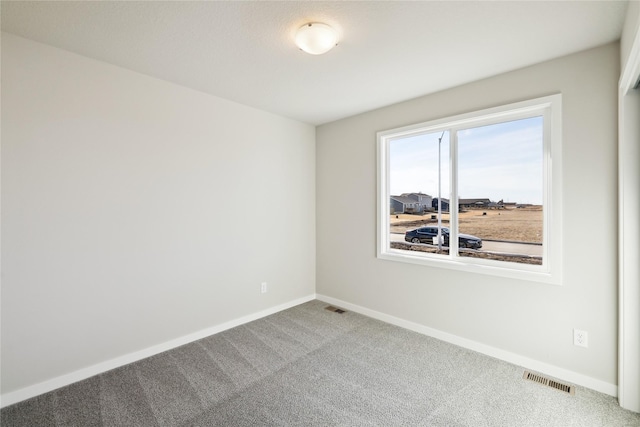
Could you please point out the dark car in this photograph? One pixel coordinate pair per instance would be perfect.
(426, 235)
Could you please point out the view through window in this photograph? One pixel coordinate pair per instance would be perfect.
(500, 185)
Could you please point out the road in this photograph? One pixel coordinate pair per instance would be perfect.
(492, 246)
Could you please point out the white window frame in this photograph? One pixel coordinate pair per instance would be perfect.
(550, 107)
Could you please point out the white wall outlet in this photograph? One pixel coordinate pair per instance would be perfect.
(263, 287)
(580, 338)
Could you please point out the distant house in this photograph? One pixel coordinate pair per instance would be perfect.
(474, 203)
(424, 200)
(404, 204)
(445, 204)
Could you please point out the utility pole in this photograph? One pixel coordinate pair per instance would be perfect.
(440, 193)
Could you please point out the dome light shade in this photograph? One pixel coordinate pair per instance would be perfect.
(316, 38)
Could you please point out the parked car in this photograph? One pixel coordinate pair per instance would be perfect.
(426, 235)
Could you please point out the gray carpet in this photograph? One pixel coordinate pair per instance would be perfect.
(308, 366)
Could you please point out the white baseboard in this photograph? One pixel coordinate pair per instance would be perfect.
(82, 374)
(513, 358)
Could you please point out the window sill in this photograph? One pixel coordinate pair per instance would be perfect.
(539, 274)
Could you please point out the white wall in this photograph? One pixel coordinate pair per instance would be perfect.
(135, 211)
(524, 318)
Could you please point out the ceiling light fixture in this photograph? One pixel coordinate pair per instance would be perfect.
(316, 38)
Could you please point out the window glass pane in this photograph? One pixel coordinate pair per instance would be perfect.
(500, 188)
(419, 168)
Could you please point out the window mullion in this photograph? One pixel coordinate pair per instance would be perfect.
(453, 203)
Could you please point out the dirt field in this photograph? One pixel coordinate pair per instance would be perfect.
(518, 225)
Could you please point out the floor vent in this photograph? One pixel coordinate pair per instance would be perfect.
(335, 309)
(569, 389)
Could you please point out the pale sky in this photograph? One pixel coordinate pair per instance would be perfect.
(499, 162)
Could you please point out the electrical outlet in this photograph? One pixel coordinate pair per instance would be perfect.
(580, 338)
(263, 287)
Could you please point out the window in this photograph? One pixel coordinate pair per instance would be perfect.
(479, 192)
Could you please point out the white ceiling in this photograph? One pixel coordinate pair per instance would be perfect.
(389, 51)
